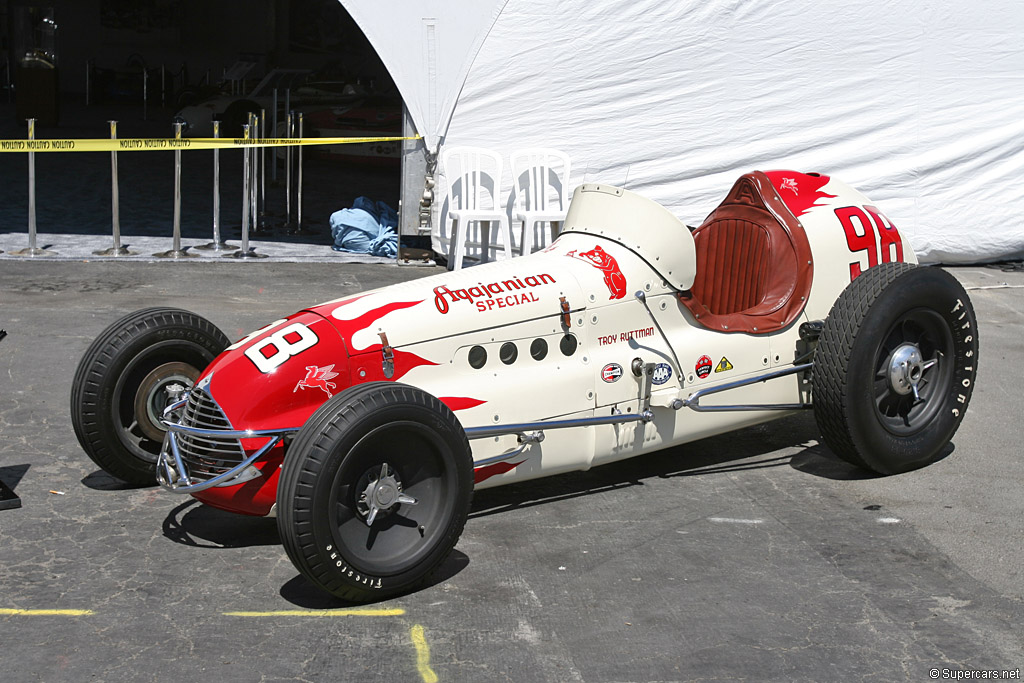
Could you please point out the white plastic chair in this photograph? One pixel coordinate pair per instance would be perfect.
(474, 181)
(540, 177)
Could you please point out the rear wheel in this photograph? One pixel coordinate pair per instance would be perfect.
(126, 378)
(375, 491)
(895, 367)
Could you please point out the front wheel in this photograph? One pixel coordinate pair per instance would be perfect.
(375, 491)
(128, 375)
(895, 367)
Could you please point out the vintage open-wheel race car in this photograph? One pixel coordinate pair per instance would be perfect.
(365, 423)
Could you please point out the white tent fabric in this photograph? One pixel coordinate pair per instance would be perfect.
(427, 47)
(918, 104)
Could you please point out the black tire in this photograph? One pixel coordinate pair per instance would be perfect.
(116, 392)
(864, 400)
(322, 518)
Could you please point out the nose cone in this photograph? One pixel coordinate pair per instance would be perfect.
(277, 377)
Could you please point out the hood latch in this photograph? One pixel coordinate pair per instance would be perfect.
(388, 362)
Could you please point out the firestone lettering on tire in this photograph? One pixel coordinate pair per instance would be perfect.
(368, 581)
(968, 339)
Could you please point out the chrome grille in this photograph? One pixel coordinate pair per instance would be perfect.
(207, 456)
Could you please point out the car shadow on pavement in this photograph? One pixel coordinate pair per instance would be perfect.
(751, 448)
(301, 593)
(820, 461)
(101, 481)
(13, 474)
(202, 526)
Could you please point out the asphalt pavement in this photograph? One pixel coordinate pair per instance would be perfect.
(756, 555)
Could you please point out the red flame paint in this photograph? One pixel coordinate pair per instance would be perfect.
(367, 363)
(461, 402)
(348, 328)
(799, 191)
(484, 473)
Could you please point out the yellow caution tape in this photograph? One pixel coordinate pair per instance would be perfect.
(162, 144)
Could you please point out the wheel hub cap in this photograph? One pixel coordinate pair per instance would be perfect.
(906, 367)
(382, 495)
(160, 388)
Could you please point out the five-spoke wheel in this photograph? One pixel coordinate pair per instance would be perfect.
(895, 367)
(375, 491)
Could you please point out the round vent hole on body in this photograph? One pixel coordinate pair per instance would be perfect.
(508, 353)
(477, 357)
(539, 349)
(568, 345)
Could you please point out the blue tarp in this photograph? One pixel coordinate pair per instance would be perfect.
(366, 228)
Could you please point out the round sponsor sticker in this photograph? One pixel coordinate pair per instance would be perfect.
(662, 373)
(703, 367)
(611, 372)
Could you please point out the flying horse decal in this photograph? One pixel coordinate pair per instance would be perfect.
(318, 378)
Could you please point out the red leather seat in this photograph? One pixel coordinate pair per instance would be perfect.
(754, 267)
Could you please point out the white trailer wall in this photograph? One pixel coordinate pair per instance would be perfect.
(918, 104)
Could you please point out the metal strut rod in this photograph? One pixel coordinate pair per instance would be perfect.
(693, 400)
(533, 432)
(524, 427)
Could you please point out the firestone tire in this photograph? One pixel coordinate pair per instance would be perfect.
(364, 450)
(895, 367)
(120, 387)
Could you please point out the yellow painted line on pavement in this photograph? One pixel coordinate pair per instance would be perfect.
(395, 612)
(4, 612)
(422, 655)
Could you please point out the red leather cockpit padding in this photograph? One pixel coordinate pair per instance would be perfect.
(754, 267)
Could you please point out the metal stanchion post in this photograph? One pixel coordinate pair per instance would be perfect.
(217, 244)
(246, 251)
(88, 67)
(176, 251)
(254, 171)
(263, 174)
(145, 99)
(32, 249)
(273, 123)
(299, 230)
(287, 224)
(115, 204)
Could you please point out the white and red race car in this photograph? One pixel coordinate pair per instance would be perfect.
(365, 423)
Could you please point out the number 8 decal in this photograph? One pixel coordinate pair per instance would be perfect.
(864, 239)
(283, 344)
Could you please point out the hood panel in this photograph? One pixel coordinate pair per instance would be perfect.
(587, 271)
(276, 377)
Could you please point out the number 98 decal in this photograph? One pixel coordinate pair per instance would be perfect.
(888, 241)
(270, 352)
